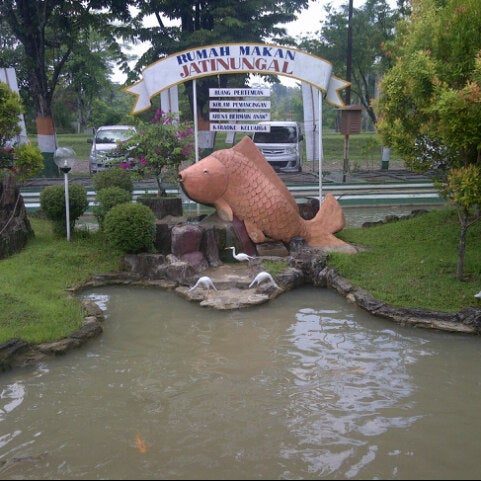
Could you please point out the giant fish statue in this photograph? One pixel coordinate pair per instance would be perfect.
(239, 181)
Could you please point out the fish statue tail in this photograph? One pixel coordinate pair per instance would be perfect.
(328, 220)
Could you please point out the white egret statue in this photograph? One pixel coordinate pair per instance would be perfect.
(205, 282)
(261, 277)
(478, 295)
(240, 256)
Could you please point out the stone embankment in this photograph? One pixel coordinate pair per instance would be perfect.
(304, 266)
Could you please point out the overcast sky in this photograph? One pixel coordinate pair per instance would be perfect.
(308, 22)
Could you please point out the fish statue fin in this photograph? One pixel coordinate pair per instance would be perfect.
(328, 220)
(255, 234)
(330, 215)
(224, 210)
(330, 242)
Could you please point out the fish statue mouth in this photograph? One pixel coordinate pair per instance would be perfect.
(180, 180)
(182, 187)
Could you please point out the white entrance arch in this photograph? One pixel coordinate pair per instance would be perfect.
(248, 58)
(263, 59)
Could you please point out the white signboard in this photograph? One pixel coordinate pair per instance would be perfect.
(240, 104)
(239, 128)
(245, 104)
(236, 116)
(239, 92)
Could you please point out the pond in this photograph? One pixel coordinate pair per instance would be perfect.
(307, 386)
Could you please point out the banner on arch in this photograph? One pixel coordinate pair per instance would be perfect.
(246, 58)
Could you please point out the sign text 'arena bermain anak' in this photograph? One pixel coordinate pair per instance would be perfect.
(236, 58)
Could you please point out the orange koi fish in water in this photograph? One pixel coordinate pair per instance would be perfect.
(140, 445)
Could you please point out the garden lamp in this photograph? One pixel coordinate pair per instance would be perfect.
(65, 158)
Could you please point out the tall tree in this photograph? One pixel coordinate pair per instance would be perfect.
(430, 102)
(86, 73)
(49, 32)
(210, 22)
(372, 25)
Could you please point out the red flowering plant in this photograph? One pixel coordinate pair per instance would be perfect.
(7, 158)
(159, 148)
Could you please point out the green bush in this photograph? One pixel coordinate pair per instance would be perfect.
(28, 161)
(52, 203)
(130, 227)
(108, 198)
(113, 177)
(10, 108)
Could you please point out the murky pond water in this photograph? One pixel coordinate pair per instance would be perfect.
(356, 215)
(304, 387)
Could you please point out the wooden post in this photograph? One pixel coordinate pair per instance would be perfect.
(345, 167)
(350, 124)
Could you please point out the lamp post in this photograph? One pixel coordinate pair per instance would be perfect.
(345, 167)
(65, 158)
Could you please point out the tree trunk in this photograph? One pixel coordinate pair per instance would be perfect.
(47, 142)
(462, 248)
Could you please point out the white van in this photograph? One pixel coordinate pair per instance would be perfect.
(282, 146)
(105, 140)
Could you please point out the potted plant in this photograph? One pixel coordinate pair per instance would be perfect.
(157, 150)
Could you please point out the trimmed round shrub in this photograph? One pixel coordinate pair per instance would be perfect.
(108, 198)
(113, 177)
(130, 227)
(52, 203)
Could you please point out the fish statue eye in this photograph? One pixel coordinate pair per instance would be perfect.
(206, 171)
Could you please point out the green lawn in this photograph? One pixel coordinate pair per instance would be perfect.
(34, 302)
(412, 263)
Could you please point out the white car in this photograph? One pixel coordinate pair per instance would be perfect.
(282, 145)
(104, 142)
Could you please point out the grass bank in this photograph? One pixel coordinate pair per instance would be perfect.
(410, 263)
(34, 303)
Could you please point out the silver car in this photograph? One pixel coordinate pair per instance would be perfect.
(106, 138)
